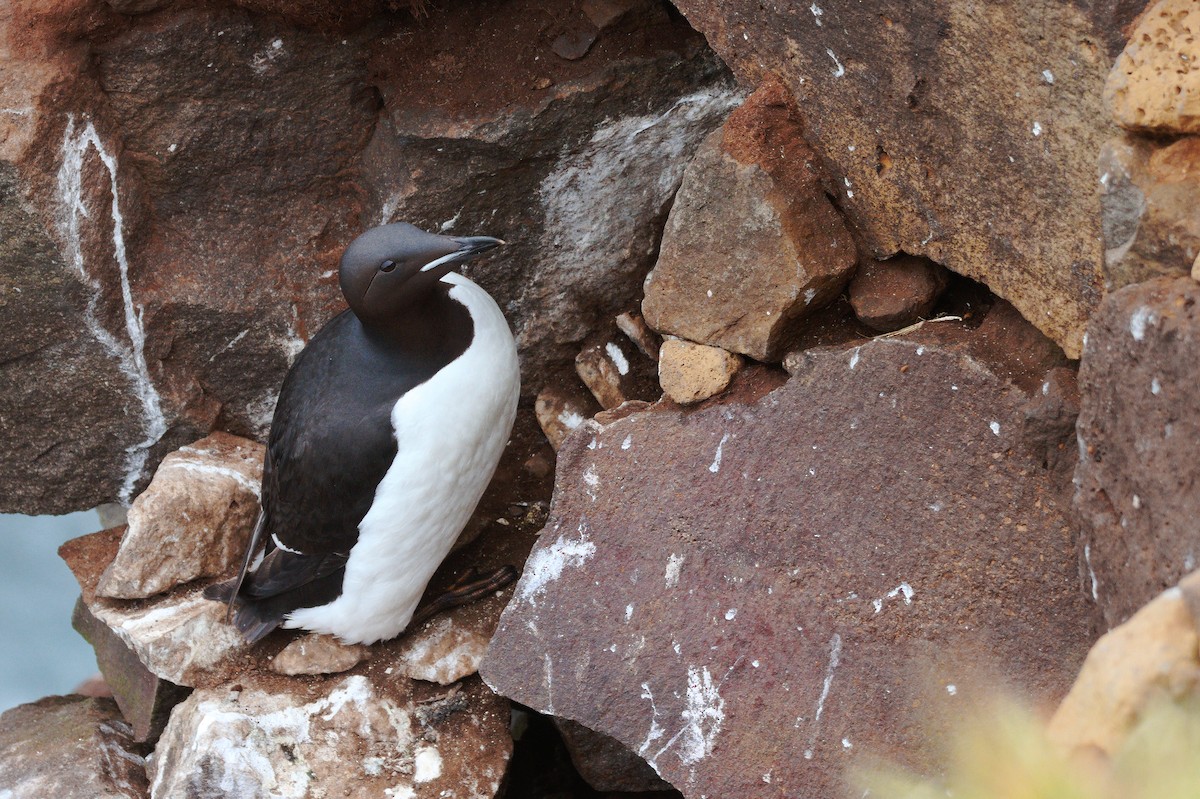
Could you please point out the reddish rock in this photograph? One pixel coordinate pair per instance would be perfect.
(752, 245)
(889, 295)
(179, 186)
(1149, 195)
(1138, 427)
(70, 747)
(968, 138)
(606, 764)
(713, 592)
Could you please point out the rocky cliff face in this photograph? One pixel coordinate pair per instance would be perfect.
(856, 348)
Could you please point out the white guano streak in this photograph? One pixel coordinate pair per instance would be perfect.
(835, 656)
(132, 358)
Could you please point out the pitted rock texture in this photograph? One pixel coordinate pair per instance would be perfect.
(181, 183)
(692, 372)
(889, 295)
(752, 245)
(1138, 427)
(715, 590)
(361, 735)
(1153, 656)
(194, 519)
(1154, 85)
(966, 137)
(1149, 196)
(69, 747)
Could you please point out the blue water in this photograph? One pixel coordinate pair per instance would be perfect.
(40, 654)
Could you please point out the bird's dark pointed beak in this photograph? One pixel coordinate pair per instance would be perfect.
(470, 246)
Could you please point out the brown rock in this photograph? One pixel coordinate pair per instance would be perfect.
(693, 372)
(1153, 85)
(194, 519)
(614, 371)
(149, 318)
(69, 747)
(607, 764)
(561, 409)
(634, 326)
(948, 133)
(1138, 428)
(752, 244)
(889, 295)
(145, 699)
(1149, 195)
(365, 733)
(1154, 655)
(317, 654)
(712, 591)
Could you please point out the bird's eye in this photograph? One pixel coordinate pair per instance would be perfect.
(387, 266)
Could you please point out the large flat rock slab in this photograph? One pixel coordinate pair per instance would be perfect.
(751, 596)
(1138, 428)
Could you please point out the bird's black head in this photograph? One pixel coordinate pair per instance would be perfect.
(393, 266)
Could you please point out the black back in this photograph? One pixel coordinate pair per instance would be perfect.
(331, 443)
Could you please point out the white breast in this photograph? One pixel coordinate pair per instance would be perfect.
(450, 432)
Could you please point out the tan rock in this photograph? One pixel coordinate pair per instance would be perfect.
(1155, 85)
(192, 521)
(692, 372)
(601, 368)
(1196, 268)
(753, 244)
(317, 654)
(634, 326)
(1156, 654)
(561, 409)
(1148, 199)
(442, 651)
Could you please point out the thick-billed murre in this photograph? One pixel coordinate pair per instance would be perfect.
(387, 430)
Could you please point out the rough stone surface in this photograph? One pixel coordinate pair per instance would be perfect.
(441, 651)
(193, 520)
(69, 747)
(561, 408)
(1154, 655)
(692, 372)
(889, 295)
(317, 654)
(615, 370)
(634, 326)
(145, 699)
(752, 243)
(1154, 84)
(962, 133)
(361, 735)
(1149, 196)
(1138, 428)
(179, 185)
(712, 591)
(606, 764)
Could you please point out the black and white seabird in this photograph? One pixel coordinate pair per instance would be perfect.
(387, 430)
